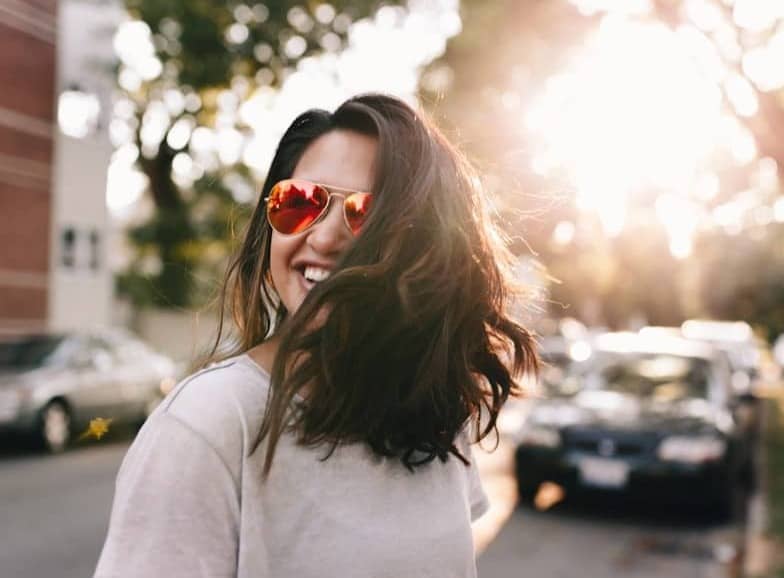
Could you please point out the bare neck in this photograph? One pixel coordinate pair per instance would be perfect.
(264, 353)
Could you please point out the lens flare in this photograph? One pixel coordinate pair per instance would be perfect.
(634, 113)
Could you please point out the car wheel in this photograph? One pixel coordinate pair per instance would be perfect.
(152, 404)
(55, 427)
(728, 506)
(149, 407)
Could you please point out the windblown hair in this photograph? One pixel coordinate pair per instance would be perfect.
(413, 339)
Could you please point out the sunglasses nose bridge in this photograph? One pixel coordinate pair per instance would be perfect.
(327, 207)
(328, 204)
(344, 210)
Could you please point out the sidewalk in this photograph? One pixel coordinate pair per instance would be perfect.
(763, 538)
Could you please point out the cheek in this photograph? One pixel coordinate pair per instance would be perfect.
(276, 261)
(281, 251)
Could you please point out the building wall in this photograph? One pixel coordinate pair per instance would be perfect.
(81, 281)
(185, 336)
(27, 130)
(81, 286)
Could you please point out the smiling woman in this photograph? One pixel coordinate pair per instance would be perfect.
(370, 299)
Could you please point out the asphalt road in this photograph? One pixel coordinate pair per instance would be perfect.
(593, 542)
(602, 538)
(55, 510)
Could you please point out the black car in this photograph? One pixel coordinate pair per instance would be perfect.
(647, 416)
(52, 385)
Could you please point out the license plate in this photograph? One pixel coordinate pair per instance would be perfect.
(603, 473)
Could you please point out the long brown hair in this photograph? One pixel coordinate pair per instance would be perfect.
(414, 338)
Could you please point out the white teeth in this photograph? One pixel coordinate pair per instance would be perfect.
(316, 274)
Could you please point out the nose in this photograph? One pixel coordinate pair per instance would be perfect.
(330, 236)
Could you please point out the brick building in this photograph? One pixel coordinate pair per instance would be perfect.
(27, 134)
(54, 273)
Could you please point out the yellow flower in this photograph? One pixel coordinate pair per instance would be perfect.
(97, 428)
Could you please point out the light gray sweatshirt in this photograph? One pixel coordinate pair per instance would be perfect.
(190, 500)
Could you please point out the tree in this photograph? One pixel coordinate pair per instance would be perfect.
(188, 65)
(510, 50)
(742, 277)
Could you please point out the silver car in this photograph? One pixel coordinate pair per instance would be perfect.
(52, 386)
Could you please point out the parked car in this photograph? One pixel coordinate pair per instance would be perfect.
(743, 352)
(643, 415)
(737, 340)
(52, 385)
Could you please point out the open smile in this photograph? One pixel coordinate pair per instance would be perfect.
(310, 274)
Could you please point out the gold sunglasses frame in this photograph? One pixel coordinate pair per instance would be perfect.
(343, 194)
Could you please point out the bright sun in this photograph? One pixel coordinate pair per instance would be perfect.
(640, 109)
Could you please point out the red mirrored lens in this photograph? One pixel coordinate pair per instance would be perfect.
(294, 205)
(357, 207)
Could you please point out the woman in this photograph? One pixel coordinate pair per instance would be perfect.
(370, 291)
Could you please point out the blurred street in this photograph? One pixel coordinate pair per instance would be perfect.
(55, 511)
(604, 539)
(597, 544)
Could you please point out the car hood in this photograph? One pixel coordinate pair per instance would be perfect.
(612, 410)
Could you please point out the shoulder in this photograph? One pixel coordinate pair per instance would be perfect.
(224, 403)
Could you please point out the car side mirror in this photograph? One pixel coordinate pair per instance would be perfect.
(101, 360)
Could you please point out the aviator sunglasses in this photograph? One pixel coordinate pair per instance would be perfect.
(295, 205)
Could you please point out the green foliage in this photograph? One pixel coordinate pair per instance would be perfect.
(192, 34)
(180, 253)
(742, 277)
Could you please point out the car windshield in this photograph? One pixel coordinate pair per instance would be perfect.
(31, 351)
(559, 375)
(658, 377)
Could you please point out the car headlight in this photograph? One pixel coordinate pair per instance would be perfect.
(692, 450)
(166, 385)
(539, 436)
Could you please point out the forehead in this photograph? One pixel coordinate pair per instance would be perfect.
(341, 158)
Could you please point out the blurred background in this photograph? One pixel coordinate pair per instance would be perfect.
(633, 157)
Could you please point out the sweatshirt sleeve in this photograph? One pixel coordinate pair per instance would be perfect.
(176, 507)
(477, 498)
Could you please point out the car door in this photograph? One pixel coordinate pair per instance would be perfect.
(97, 389)
(137, 374)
